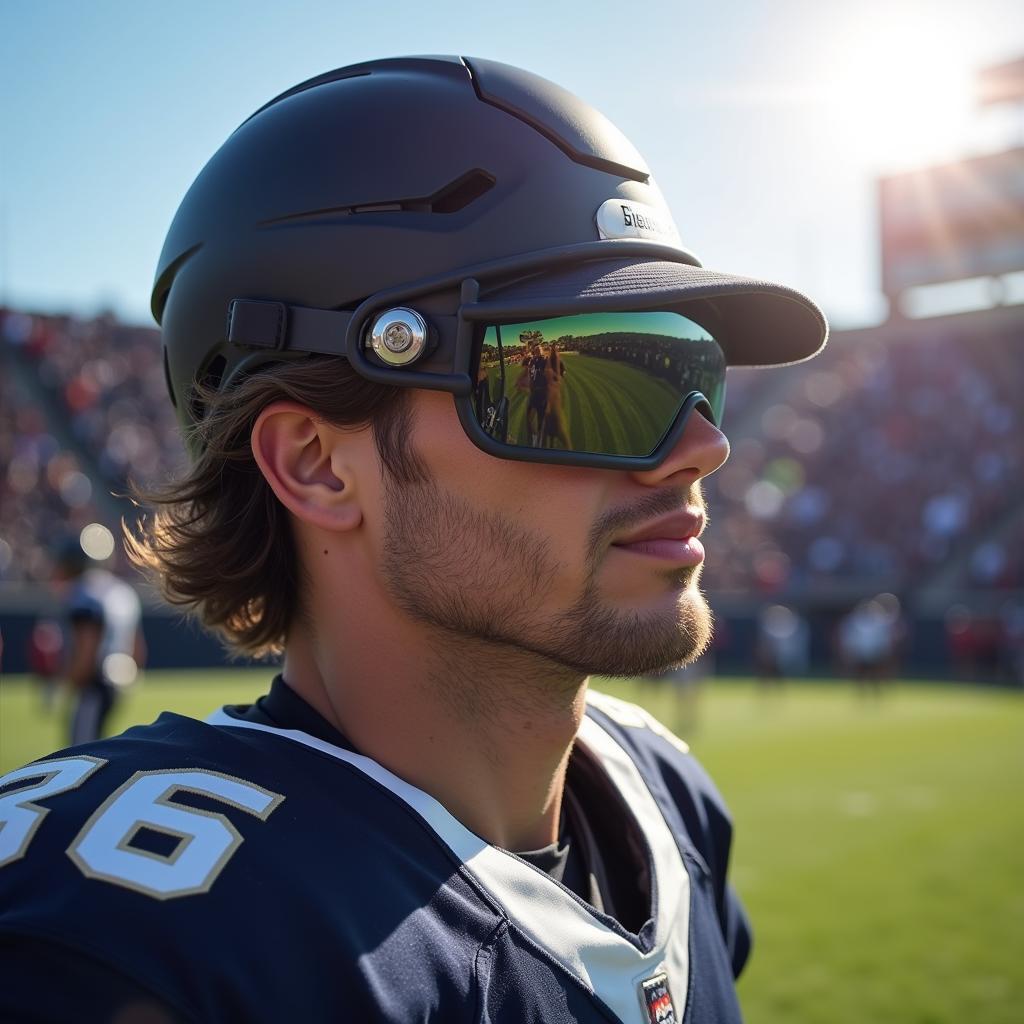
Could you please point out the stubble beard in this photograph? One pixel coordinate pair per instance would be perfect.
(480, 576)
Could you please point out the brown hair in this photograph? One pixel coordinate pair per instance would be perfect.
(217, 541)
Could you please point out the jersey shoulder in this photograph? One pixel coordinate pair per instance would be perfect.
(208, 863)
(177, 807)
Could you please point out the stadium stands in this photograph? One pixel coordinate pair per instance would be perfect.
(894, 462)
(82, 412)
(43, 491)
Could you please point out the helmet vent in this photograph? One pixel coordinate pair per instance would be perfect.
(456, 195)
(214, 373)
(585, 135)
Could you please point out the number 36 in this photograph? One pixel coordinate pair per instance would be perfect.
(203, 841)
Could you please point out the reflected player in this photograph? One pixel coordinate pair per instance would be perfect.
(555, 433)
(534, 380)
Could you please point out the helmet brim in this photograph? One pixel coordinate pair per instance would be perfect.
(757, 322)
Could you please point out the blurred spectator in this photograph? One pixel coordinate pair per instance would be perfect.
(45, 658)
(1012, 619)
(960, 640)
(870, 638)
(783, 644)
(981, 646)
(104, 646)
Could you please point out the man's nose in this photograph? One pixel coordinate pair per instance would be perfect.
(700, 450)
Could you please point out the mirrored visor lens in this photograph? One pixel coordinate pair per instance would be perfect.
(604, 383)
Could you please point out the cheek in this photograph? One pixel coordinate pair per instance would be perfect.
(557, 502)
(453, 462)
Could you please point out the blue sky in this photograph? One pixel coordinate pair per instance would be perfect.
(765, 123)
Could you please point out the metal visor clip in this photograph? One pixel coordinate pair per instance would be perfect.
(399, 336)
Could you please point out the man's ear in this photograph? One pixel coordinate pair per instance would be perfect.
(303, 459)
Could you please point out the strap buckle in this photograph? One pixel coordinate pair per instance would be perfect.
(257, 323)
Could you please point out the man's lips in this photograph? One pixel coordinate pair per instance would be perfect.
(682, 525)
(672, 538)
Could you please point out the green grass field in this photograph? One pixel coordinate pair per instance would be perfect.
(879, 847)
(609, 406)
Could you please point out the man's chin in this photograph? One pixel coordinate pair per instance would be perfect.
(638, 641)
(666, 643)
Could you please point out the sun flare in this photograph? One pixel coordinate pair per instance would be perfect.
(899, 93)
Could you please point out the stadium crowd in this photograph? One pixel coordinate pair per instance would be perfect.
(108, 380)
(894, 461)
(43, 491)
(99, 385)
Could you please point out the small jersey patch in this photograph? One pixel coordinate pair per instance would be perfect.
(658, 1000)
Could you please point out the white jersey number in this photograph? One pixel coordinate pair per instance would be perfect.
(201, 842)
(19, 816)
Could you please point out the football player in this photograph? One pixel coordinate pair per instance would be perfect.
(105, 642)
(428, 816)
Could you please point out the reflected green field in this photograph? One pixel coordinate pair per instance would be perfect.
(879, 846)
(606, 403)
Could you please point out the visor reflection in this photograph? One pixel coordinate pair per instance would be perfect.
(604, 383)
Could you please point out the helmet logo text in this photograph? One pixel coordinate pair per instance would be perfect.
(623, 218)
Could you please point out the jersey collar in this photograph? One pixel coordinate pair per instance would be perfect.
(594, 949)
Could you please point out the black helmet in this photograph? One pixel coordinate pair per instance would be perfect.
(456, 180)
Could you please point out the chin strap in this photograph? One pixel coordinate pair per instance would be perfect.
(256, 323)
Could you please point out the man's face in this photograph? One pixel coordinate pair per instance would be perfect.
(522, 554)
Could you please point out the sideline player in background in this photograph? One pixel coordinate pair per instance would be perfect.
(429, 816)
(105, 645)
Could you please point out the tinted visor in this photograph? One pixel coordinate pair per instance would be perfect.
(602, 383)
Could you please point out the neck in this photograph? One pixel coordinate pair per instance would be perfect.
(483, 728)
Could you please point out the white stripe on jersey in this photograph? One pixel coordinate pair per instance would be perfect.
(605, 962)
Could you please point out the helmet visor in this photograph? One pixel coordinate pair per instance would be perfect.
(595, 383)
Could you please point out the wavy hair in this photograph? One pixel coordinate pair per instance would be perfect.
(216, 540)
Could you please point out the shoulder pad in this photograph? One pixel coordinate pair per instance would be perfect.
(622, 712)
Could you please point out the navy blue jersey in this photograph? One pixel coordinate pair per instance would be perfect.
(235, 871)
